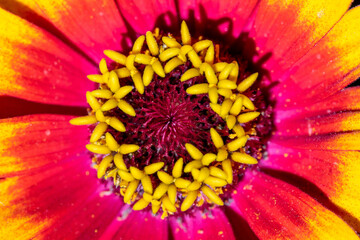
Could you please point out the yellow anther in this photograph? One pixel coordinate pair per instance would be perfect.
(233, 76)
(193, 151)
(237, 143)
(222, 155)
(148, 197)
(189, 200)
(164, 177)
(169, 206)
(191, 73)
(248, 103)
(122, 72)
(106, 77)
(138, 82)
(126, 108)
(203, 174)
(224, 74)
(138, 44)
(201, 45)
(105, 163)
(103, 66)
(116, 124)
(99, 149)
(208, 158)
(93, 102)
(147, 185)
(227, 93)
(178, 166)
(172, 192)
(171, 42)
(148, 75)
(239, 130)
(116, 56)
(247, 82)
(218, 67)
(111, 142)
(182, 183)
(216, 108)
(128, 148)
(182, 57)
(191, 165)
(217, 172)
(158, 69)
(212, 195)
(153, 168)
(98, 78)
(201, 88)
(169, 53)
(172, 64)
(100, 116)
(152, 44)
(225, 108)
(230, 121)
(141, 204)
(185, 34)
(195, 173)
(186, 49)
(213, 95)
(210, 74)
(210, 54)
(126, 175)
(155, 208)
(136, 173)
(119, 162)
(236, 107)
(195, 185)
(227, 84)
(194, 59)
(131, 189)
(160, 190)
(243, 158)
(113, 83)
(109, 104)
(112, 173)
(215, 182)
(123, 91)
(227, 168)
(143, 59)
(216, 138)
(99, 130)
(247, 117)
(130, 60)
(102, 93)
(85, 120)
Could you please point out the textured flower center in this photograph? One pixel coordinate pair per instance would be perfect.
(173, 124)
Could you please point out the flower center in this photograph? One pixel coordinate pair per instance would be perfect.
(173, 124)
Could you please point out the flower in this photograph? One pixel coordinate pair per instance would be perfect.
(306, 185)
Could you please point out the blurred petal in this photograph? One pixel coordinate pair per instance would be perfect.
(328, 67)
(212, 225)
(336, 173)
(286, 30)
(38, 141)
(38, 67)
(277, 210)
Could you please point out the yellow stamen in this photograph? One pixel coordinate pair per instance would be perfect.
(94, 104)
(164, 177)
(236, 107)
(172, 64)
(182, 183)
(109, 104)
(128, 148)
(225, 108)
(191, 73)
(194, 186)
(185, 34)
(138, 44)
(126, 175)
(126, 108)
(237, 143)
(239, 130)
(172, 193)
(201, 45)
(194, 59)
(168, 205)
(160, 190)
(224, 74)
(203, 174)
(119, 162)
(155, 208)
(153, 168)
(152, 44)
(99, 130)
(217, 172)
(243, 158)
(218, 67)
(216, 138)
(147, 185)
(230, 121)
(193, 151)
(130, 60)
(185, 49)
(148, 75)
(99, 149)
(123, 91)
(208, 158)
(227, 168)
(178, 166)
(248, 103)
(98, 78)
(215, 182)
(136, 173)
(210, 54)
(195, 173)
(105, 163)
(227, 93)
(103, 66)
(213, 95)
(116, 124)
(122, 72)
(222, 155)
(143, 59)
(247, 117)
(212, 195)
(227, 84)
(111, 142)
(171, 42)
(216, 108)
(148, 197)
(85, 120)
(130, 190)
(138, 82)
(247, 82)
(210, 74)
(102, 93)
(191, 165)
(189, 200)
(141, 204)
(201, 88)
(233, 76)
(169, 53)
(116, 56)
(158, 69)
(100, 116)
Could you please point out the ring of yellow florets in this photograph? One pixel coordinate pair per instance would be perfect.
(210, 172)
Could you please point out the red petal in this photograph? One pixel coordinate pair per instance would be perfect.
(286, 30)
(277, 210)
(336, 173)
(210, 225)
(93, 25)
(38, 67)
(137, 226)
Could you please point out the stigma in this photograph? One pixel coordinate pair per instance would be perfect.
(170, 123)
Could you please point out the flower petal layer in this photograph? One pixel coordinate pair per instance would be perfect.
(286, 30)
(327, 68)
(38, 67)
(336, 173)
(210, 225)
(93, 25)
(277, 210)
(36, 142)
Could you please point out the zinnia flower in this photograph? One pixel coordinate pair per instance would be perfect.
(257, 123)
